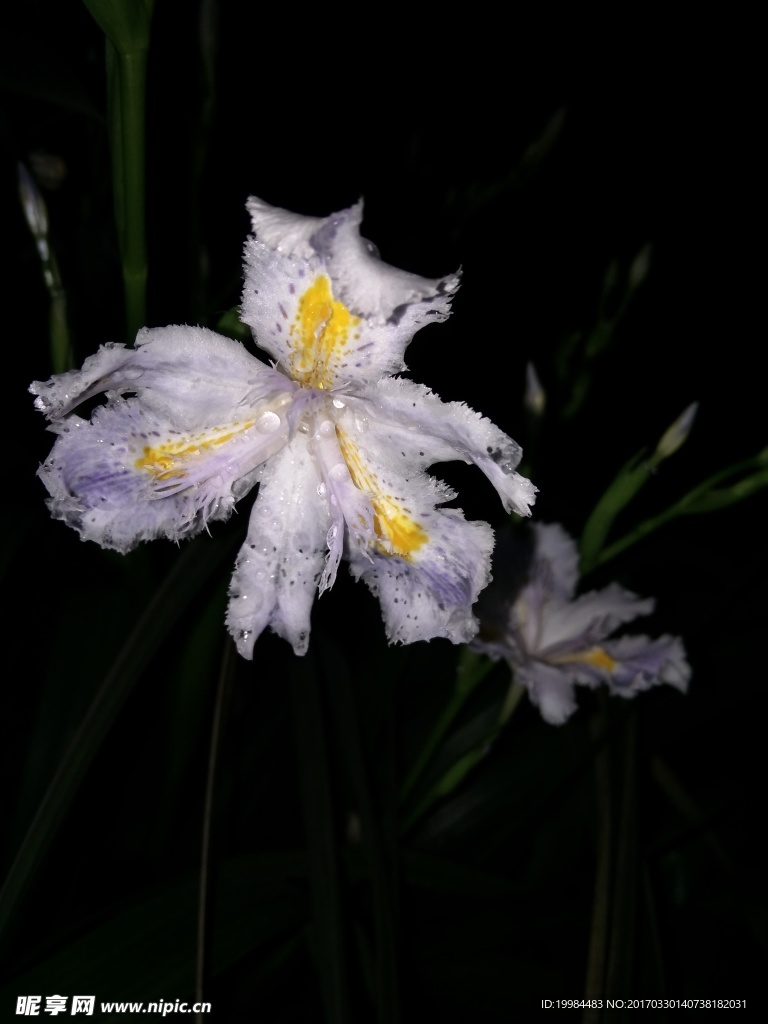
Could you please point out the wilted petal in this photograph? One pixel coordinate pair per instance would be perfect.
(279, 565)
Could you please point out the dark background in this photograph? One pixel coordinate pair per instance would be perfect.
(541, 158)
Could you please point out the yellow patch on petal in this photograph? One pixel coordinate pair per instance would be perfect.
(319, 334)
(398, 533)
(595, 656)
(167, 460)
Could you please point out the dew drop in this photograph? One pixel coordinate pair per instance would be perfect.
(321, 489)
(338, 472)
(338, 404)
(326, 428)
(268, 423)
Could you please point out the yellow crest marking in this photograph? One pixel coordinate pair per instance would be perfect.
(167, 460)
(595, 656)
(319, 333)
(398, 534)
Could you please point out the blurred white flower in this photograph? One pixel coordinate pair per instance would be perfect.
(554, 640)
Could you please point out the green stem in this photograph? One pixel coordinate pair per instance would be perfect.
(703, 498)
(472, 670)
(222, 693)
(127, 85)
(461, 768)
(328, 924)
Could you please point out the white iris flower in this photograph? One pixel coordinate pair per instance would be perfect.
(554, 640)
(338, 445)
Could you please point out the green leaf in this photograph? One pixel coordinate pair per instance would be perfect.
(125, 23)
(144, 949)
(194, 566)
(328, 945)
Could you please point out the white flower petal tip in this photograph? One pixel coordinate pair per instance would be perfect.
(191, 421)
(555, 641)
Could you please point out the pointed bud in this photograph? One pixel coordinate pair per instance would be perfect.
(676, 435)
(641, 264)
(535, 398)
(33, 205)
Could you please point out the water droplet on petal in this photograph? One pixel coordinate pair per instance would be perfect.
(338, 404)
(338, 472)
(326, 428)
(321, 489)
(268, 423)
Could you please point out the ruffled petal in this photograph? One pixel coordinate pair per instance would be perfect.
(372, 288)
(367, 285)
(550, 689)
(59, 395)
(431, 594)
(294, 309)
(205, 415)
(280, 564)
(555, 560)
(127, 475)
(642, 662)
(427, 565)
(288, 232)
(352, 513)
(580, 624)
(446, 431)
(190, 375)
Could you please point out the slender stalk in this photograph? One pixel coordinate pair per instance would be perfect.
(472, 670)
(462, 767)
(327, 930)
(379, 849)
(222, 693)
(126, 25)
(597, 955)
(128, 80)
